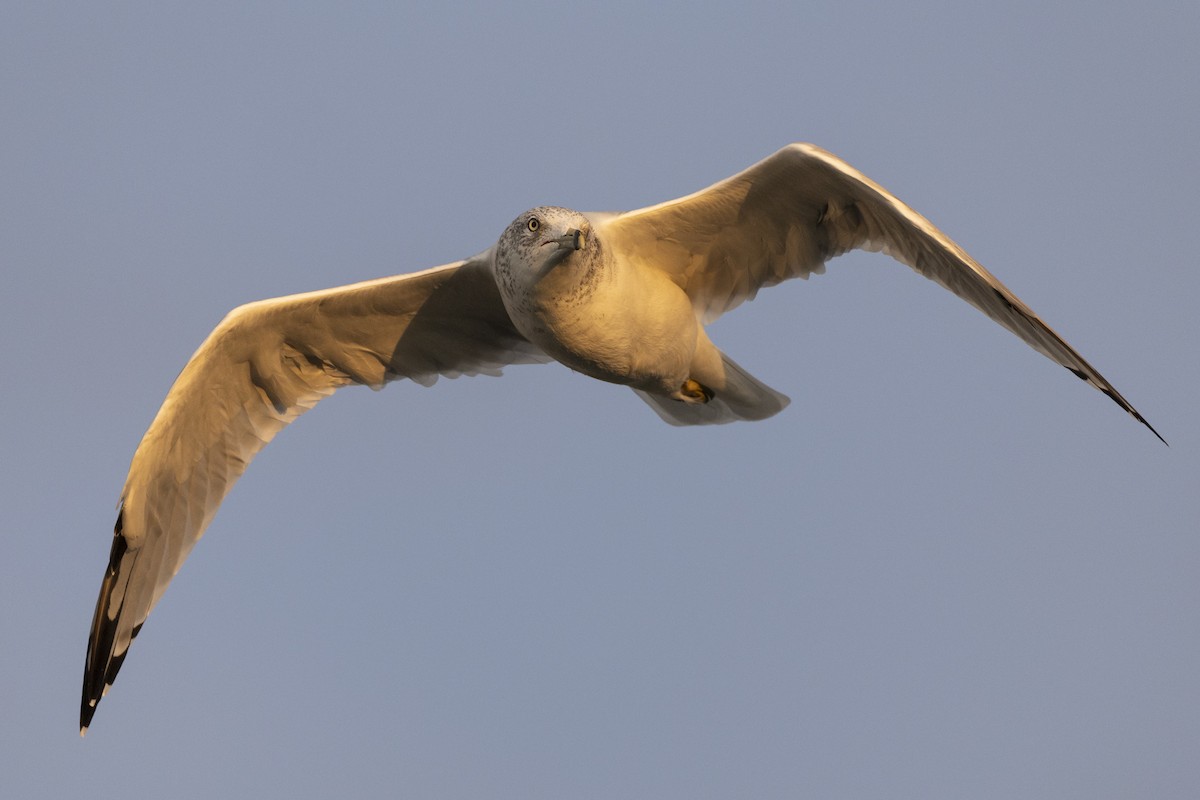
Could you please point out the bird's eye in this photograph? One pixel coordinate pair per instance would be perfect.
(533, 224)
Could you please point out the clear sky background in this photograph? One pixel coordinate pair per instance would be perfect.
(948, 570)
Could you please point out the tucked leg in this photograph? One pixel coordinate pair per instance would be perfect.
(693, 391)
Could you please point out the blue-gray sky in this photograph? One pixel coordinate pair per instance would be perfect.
(949, 569)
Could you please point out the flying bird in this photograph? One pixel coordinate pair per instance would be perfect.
(622, 297)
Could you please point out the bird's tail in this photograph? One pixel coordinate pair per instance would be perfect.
(742, 397)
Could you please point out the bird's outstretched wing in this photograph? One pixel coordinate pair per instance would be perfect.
(262, 367)
(789, 214)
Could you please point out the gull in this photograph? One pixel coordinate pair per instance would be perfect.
(621, 297)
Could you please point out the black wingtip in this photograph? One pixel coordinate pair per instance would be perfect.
(1142, 420)
(1121, 401)
(101, 666)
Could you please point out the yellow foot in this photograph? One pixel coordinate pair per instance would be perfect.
(694, 392)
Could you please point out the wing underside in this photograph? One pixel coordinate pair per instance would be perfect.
(261, 368)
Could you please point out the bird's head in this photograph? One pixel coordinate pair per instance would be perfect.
(541, 239)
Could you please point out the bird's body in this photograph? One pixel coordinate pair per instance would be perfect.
(597, 314)
(619, 297)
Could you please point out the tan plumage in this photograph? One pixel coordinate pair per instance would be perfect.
(269, 362)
